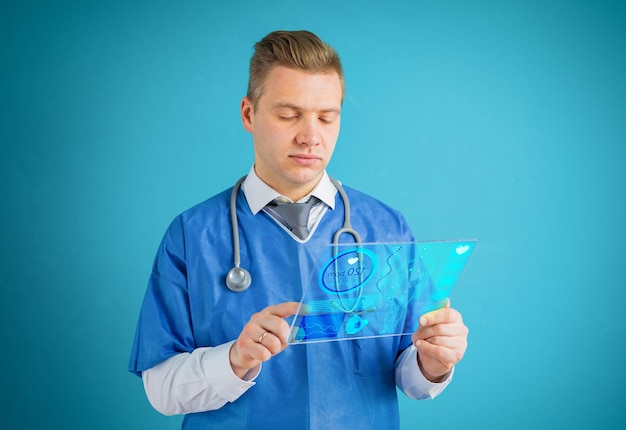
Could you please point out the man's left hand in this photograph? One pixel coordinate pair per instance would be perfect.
(441, 341)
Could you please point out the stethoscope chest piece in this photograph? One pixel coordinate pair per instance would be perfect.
(238, 279)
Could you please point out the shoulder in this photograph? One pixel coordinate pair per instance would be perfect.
(360, 200)
(375, 219)
(211, 207)
(210, 212)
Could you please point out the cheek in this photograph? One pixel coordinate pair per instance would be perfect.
(274, 135)
(331, 138)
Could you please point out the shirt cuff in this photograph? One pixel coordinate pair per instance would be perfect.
(220, 375)
(412, 382)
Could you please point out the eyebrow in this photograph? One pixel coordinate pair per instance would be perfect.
(298, 108)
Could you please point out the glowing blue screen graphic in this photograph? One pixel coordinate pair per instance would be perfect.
(377, 289)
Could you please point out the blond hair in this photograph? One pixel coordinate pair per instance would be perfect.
(301, 50)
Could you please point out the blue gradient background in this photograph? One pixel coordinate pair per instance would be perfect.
(503, 121)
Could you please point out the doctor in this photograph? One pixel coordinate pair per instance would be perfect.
(221, 357)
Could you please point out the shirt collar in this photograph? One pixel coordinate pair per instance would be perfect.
(259, 194)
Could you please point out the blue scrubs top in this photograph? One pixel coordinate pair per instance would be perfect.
(329, 385)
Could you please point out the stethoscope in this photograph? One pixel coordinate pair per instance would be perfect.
(238, 279)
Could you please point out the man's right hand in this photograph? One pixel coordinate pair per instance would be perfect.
(264, 336)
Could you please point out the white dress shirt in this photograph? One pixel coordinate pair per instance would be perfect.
(203, 379)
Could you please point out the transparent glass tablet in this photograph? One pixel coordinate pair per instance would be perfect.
(377, 289)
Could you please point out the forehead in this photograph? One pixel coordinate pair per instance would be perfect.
(284, 85)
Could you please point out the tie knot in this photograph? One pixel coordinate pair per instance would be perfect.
(294, 216)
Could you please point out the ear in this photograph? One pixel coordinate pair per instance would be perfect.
(247, 114)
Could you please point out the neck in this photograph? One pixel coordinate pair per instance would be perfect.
(294, 192)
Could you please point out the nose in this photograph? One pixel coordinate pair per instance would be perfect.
(309, 133)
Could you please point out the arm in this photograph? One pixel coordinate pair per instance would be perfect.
(424, 369)
(441, 342)
(411, 380)
(207, 378)
(200, 381)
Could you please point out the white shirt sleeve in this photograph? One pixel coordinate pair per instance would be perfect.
(195, 382)
(412, 382)
(203, 380)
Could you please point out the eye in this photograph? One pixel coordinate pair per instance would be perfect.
(328, 117)
(287, 116)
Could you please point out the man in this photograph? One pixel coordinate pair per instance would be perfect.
(222, 357)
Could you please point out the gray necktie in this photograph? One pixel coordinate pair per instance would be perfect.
(294, 216)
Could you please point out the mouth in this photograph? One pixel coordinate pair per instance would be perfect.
(305, 159)
(305, 156)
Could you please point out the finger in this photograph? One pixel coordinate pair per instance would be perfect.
(258, 351)
(448, 357)
(444, 315)
(283, 310)
(272, 343)
(453, 328)
(271, 325)
(261, 347)
(263, 336)
(271, 320)
(247, 353)
(445, 341)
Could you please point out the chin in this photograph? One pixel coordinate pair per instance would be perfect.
(307, 177)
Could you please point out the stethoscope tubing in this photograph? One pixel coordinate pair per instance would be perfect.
(239, 279)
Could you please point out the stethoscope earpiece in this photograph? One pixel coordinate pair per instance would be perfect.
(238, 279)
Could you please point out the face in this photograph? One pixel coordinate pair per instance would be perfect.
(294, 126)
